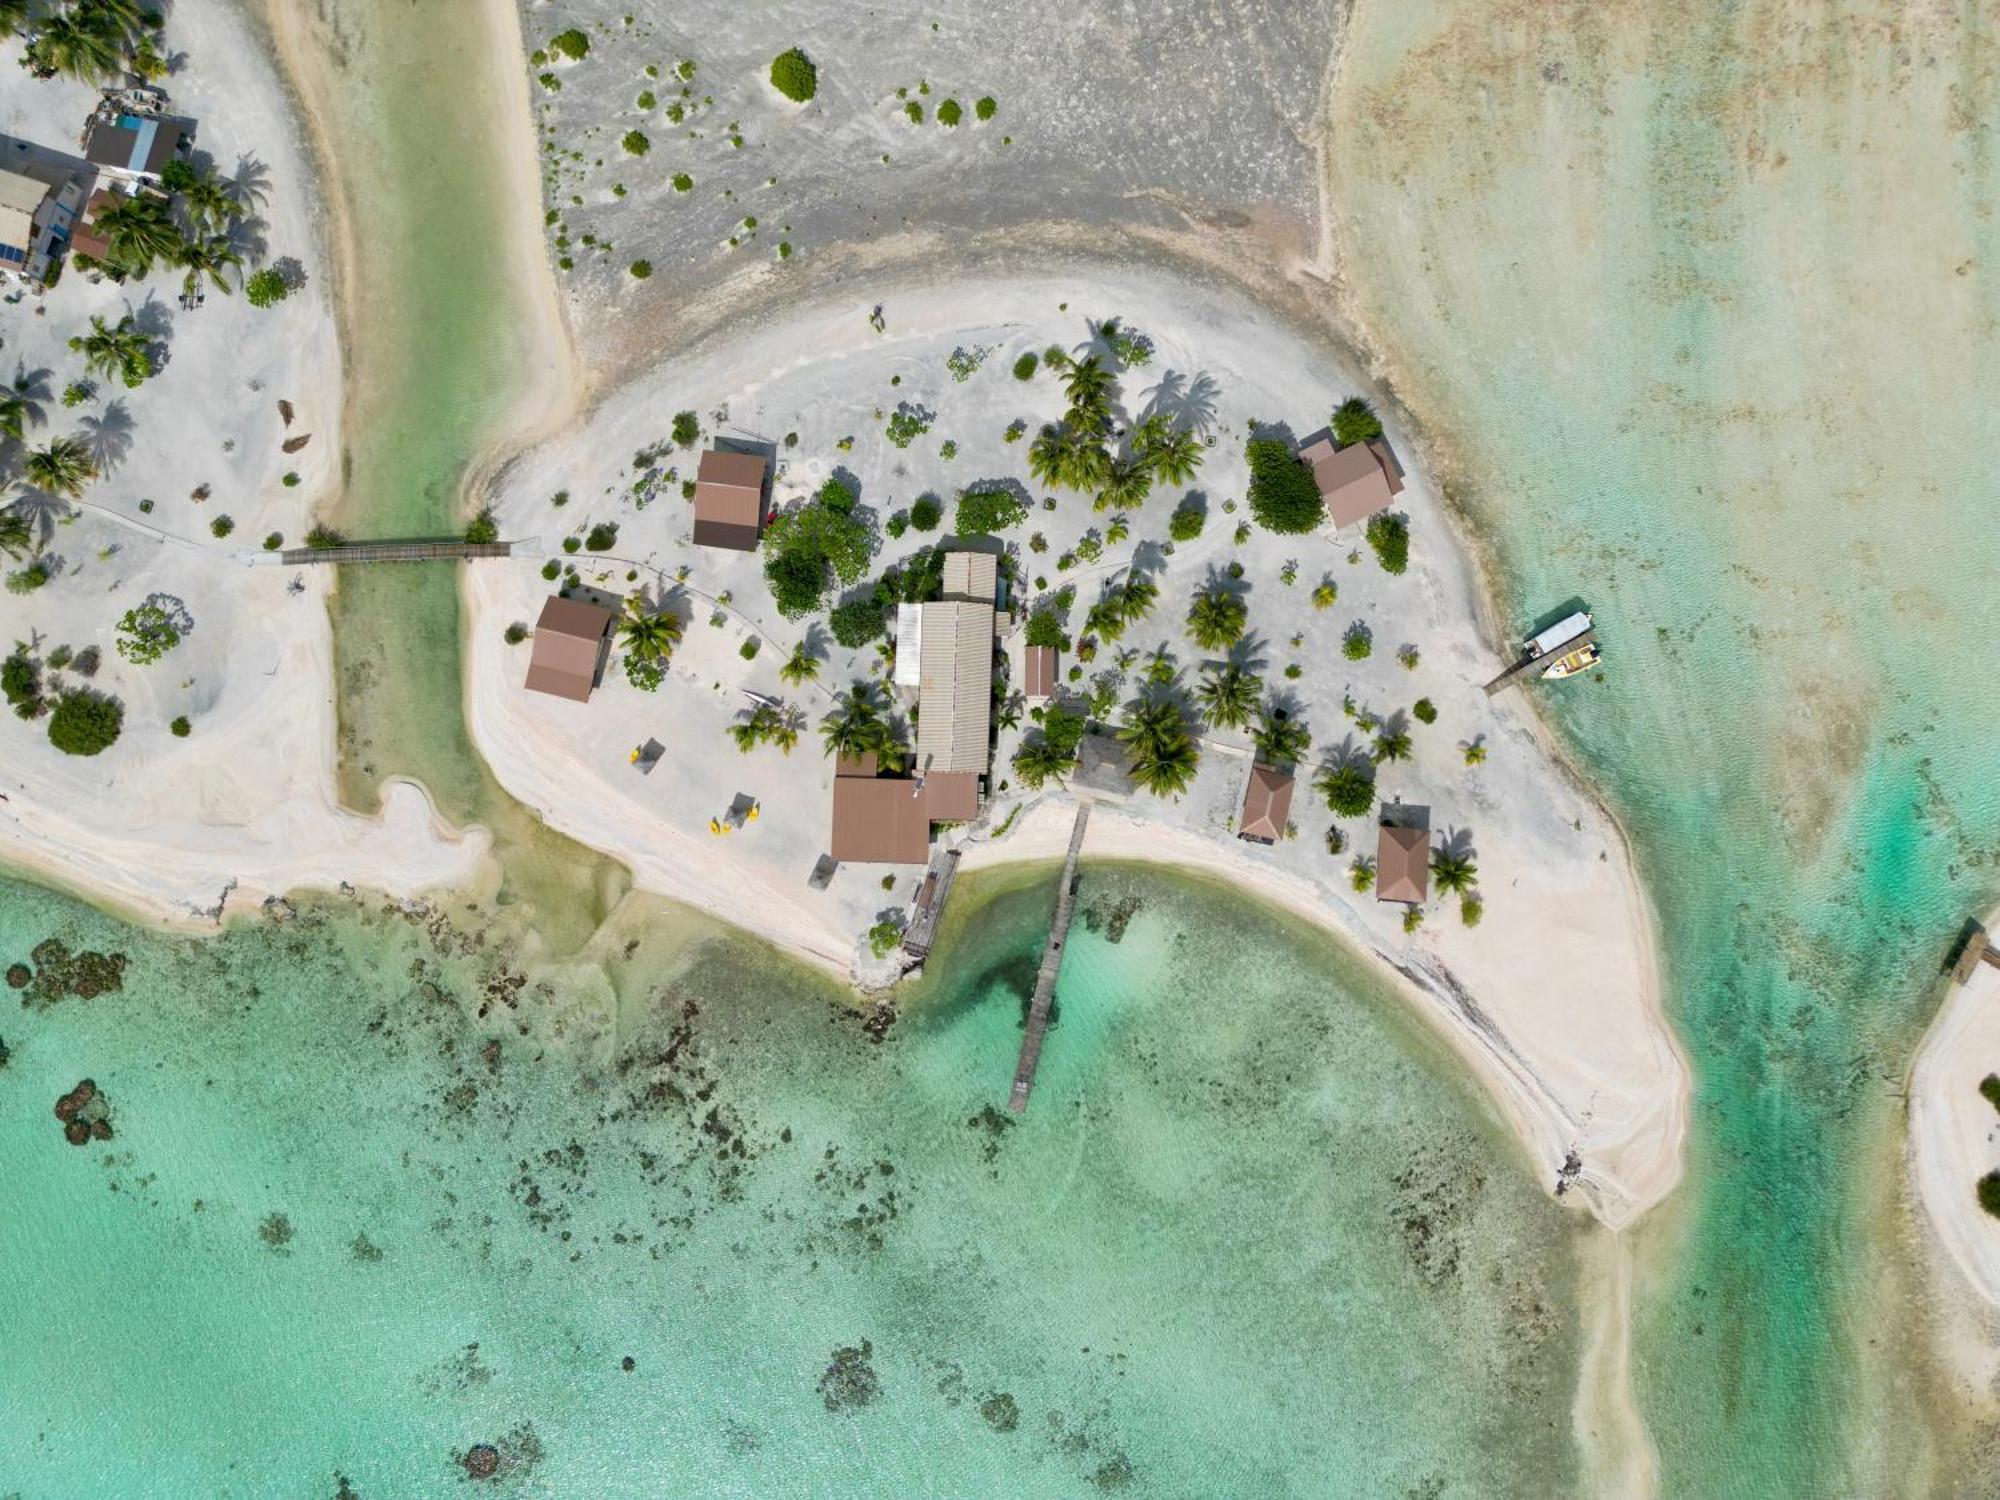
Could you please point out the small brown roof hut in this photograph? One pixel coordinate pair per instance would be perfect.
(572, 639)
(1267, 803)
(1039, 668)
(729, 500)
(1403, 864)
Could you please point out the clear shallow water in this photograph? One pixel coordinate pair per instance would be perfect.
(1703, 305)
(1251, 1240)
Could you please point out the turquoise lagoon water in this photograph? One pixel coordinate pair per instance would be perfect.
(373, 1196)
(1699, 303)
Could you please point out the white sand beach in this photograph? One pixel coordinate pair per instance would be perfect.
(245, 805)
(1954, 1140)
(1552, 998)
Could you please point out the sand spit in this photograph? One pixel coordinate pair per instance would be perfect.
(244, 805)
(1954, 1140)
(1553, 998)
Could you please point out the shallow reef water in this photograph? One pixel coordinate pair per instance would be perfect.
(383, 1210)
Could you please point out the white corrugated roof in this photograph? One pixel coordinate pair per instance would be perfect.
(21, 194)
(909, 644)
(955, 693)
(971, 575)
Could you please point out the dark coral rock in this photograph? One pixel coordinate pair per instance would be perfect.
(60, 973)
(1002, 1412)
(100, 1130)
(76, 1132)
(18, 976)
(481, 1461)
(849, 1382)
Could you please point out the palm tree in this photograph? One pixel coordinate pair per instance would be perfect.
(1392, 744)
(61, 468)
(17, 536)
(1349, 788)
(14, 414)
(1280, 740)
(1475, 752)
(1127, 483)
(650, 637)
(781, 728)
(1008, 715)
(1048, 457)
(13, 16)
(1228, 695)
(139, 231)
(1087, 388)
(1164, 755)
(856, 727)
(211, 255)
(800, 667)
(1216, 618)
(1167, 451)
(1135, 600)
(211, 202)
(118, 352)
(1119, 529)
(79, 45)
(1453, 872)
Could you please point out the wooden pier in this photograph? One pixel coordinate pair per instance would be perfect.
(376, 552)
(1976, 947)
(922, 931)
(1045, 977)
(1529, 666)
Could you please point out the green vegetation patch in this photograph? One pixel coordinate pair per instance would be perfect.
(635, 143)
(1283, 496)
(794, 76)
(1389, 535)
(85, 723)
(986, 108)
(949, 114)
(572, 44)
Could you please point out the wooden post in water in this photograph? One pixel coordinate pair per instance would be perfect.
(1045, 977)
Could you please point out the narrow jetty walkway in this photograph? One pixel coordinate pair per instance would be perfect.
(1045, 978)
(374, 552)
(1534, 665)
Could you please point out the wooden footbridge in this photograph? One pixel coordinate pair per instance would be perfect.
(1045, 977)
(1975, 948)
(379, 552)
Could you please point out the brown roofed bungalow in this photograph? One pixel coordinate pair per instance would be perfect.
(1403, 864)
(1040, 671)
(572, 639)
(880, 820)
(1267, 803)
(729, 500)
(1355, 481)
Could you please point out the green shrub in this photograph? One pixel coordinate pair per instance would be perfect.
(85, 723)
(1425, 711)
(146, 634)
(897, 524)
(483, 529)
(794, 76)
(986, 108)
(571, 544)
(949, 114)
(1026, 365)
(1357, 643)
(266, 287)
(640, 269)
(572, 44)
(1186, 522)
(274, 541)
(1389, 535)
(1354, 421)
(1989, 1086)
(683, 183)
(926, 513)
(515, 633)
(884, 936)
(687, 429)
(1470, 910)
(646, 99)
(21, 681)
(1989, 1193)
(27, 580)
(856, 623)
(78, 391)
(180, 727)
(603, 537)
(1045, 628)
(221, 526)
(984, 512)
(291, 479)
(823, 537)
(552, 570)
(1283, 496)
(635, 143)
(915, 111)
(748, 650)
(907, 423)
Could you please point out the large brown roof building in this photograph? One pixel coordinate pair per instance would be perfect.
(1356, 481)
(572, 639)
(1403, 864)
(729, 500)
